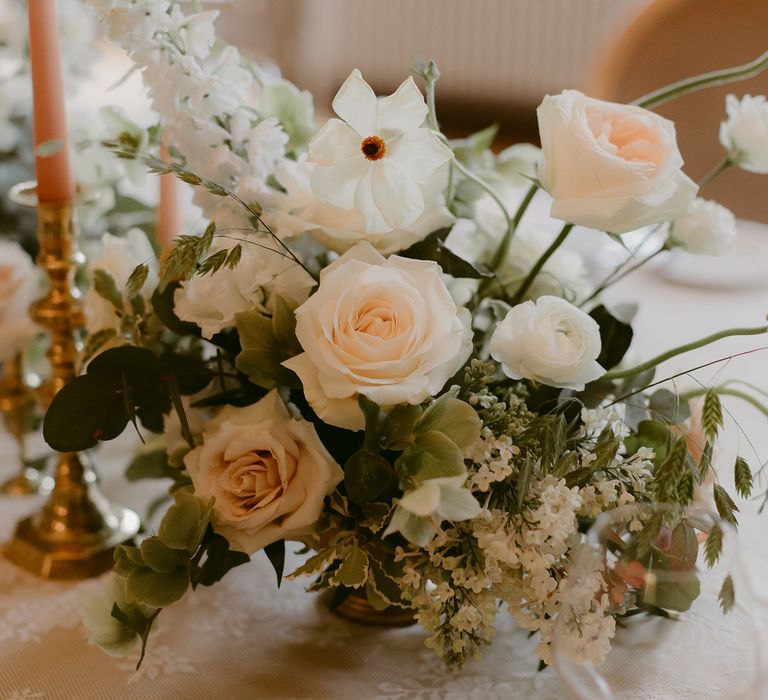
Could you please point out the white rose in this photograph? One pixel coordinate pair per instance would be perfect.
(384, 328)
(298, 210)
(710, 229)
(550, 341)
(18, 289)
(745, 134)
(212, 301)
(609, 166)
(267, 471)
(119, 257)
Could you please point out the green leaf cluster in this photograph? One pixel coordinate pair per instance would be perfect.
(266, 343)
(184, 552)
(431, 443)
(121, 384)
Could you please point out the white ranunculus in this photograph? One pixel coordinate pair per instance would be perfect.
(745, 133)
(18, 288)
(419, 512)
(384, 328)
(550, 341)
(377, 157)
(298, 210)
(119, 256)
(610, 166)
(265, 146)
(293, 108)
(267, 470)
(212, 301)
(710, 229)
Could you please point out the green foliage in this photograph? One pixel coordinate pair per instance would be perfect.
(667, 475)
(105, 287)
(453, 418)
(650, 434)
(367, 476)
(430, 456)
(159, 571)
(725, 505)
(353, 571)
(713, 546)
(266, 343)
(727, 596)
(276, 554)
(120, 384)
(433, 248)
(163, 306)
(136, 280)
(711, 414)
(742, 477)
(668, 405)
(615, 336)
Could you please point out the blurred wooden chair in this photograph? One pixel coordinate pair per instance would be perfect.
(674, 39)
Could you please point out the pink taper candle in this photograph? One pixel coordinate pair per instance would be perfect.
(54, 175)
(168, 211)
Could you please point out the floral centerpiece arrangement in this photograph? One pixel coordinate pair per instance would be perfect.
(370, 352)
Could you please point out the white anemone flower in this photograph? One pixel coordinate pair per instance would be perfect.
(378, 155)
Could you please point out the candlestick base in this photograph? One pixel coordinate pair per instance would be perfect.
(77, 530)
(75, 534)
(29, 482)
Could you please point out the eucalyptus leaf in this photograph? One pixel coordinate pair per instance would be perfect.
(615, 335)
(366, 476)
(433, 248)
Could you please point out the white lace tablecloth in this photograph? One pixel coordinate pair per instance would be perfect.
(243, 639)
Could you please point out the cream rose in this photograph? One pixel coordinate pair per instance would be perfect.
(609, 166)
(18, 288)
(550, 341)
(384, 328)
(267, 471)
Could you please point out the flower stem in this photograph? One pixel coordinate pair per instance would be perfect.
(614, 277)
(650, 364)
(503, 250)
(705, 80)
(727, 392)
(528, 281)
(724, 164)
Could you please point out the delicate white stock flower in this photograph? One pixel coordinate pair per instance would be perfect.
(745, 133)
(376, 157)
(550, 341)
(419, 512)
(610, 166)
(710, 229)
(384, 328)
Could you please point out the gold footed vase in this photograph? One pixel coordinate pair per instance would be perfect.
(17, 404)
(77, 530)
(355, 607)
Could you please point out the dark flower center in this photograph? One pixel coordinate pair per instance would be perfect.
(373, 148)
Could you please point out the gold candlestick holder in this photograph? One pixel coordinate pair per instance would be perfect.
(16, 404)
(77, 530)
